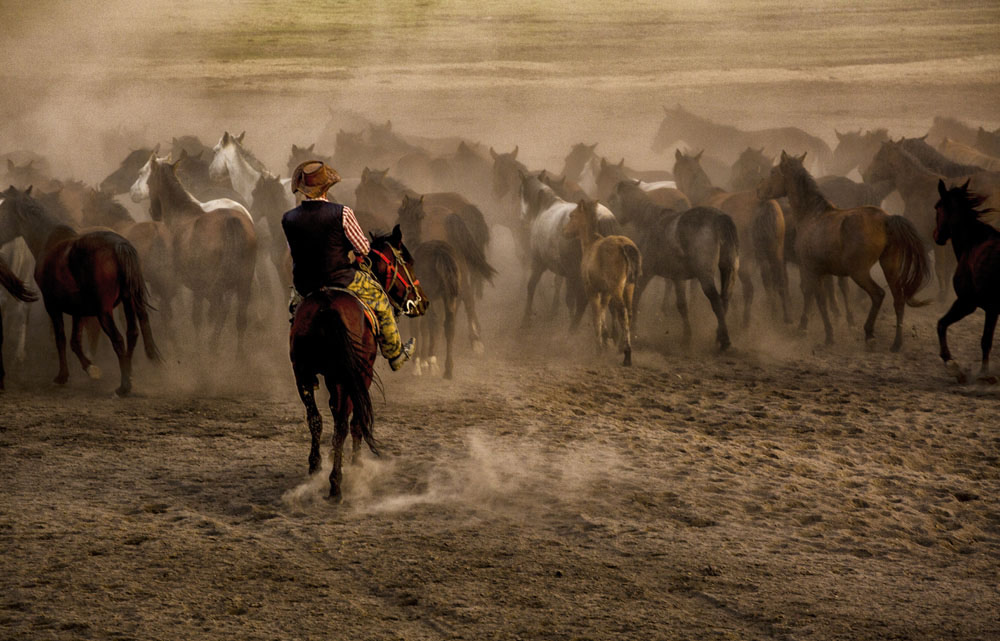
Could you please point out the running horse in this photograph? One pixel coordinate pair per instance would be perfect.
(82, 275)
(332, 336)
(977, 278)
(848, 242)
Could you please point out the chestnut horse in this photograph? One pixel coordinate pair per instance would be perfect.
(82, 275)
(977, 278)
(20, 291)
(331, 337)
(610, 267)
(848, 242)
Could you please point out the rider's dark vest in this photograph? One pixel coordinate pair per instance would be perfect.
(319, 246)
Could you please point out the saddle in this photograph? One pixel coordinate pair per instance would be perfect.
(369, 313)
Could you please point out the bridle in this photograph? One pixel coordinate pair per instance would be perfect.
(398, 270)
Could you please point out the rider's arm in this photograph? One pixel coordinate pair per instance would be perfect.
(355, 234)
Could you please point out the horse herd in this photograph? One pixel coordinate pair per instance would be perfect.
(742, 209)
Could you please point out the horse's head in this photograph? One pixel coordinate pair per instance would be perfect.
(100, 208)
(577, 159)
(689, 174)
(505, 172)
(392, 265)
(121, 179)
(225, 152)
(372, 193)
(884, 164)
(270, 198)
(749, 169)
(582, 220)
(955, 209)
(411, 216)
(531, 192)
(151, 180)
(776, 185)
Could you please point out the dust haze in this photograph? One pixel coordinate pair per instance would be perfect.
(785, 489)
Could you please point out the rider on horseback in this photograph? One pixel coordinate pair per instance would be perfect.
(328, 248)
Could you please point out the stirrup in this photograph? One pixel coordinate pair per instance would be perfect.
(396, 362)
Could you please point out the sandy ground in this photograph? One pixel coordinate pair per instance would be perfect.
(783, 490)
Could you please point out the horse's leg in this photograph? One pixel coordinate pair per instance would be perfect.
(469, 302)
(808, 288)
(597, 311)
(557, 287)
(722, 333)
(338, 400)
(450, 311)
(313, 418)
(876, 293)
(76, 344)
(107, 320)
(242, 303)
(844, 293)
(986, 343)
(59, 329)
(831, 297)
(131, 327)
(197, 316)
(2, 372)
(824, 292)
(621, 307)
(574, 290)
(536, 273)
(746, 282)
(780, 269)
(682, 308)
(958, 310)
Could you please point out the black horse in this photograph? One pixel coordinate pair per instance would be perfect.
(977, 277)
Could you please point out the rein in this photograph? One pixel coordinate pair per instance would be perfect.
(398, 270)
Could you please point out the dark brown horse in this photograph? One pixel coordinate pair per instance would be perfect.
(20, 291)
(331, 337)
(848, 242)
(82, 275)
(422, 222)
(977, 278)
(214, 245)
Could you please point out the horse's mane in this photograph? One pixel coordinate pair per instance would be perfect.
(250, 157)
(806, 185)
(934, 160)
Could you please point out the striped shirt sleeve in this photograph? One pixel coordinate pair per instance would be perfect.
(354, 233)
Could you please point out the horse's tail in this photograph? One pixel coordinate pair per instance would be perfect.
(476, 223)
(15, 285)
(133, 288)
(438, 268)
(633, 262)
(729, 252)
(909, 268)
(465, 243)
(352, 370)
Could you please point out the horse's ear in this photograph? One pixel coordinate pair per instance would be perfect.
(513, 154)
(541, 176)
(678, 155)
(965, 187)
(942, 189)
(225, 137)
(784, 155)
(621, 165)
(397, 235)
(156, 149)
(698, 157)
(924, 137)
(839, 135)
(312, 146)
(493, 153)
(184, 154)
(802, 158)
(421, 199)
(240, 137)
(364, 173)
(761, 151)
(27, 192)
(593, 146)
(10, 164)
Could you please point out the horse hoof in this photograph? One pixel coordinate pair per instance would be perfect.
(477, 348)
(336, 498)
(61, 379)
(94, 372)
(123, 391)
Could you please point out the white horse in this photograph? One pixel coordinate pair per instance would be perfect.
(17, 313)
(140, 191)
(544, 215)
(237, 162)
